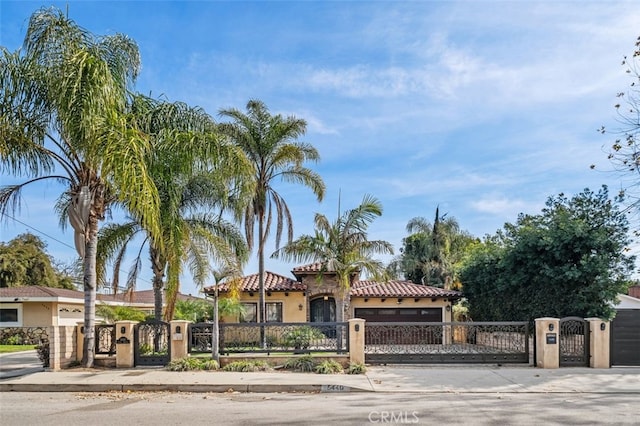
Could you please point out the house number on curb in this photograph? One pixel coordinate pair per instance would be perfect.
(335, 388)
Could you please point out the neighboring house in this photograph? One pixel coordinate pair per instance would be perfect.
(36, 306)
(311, 297)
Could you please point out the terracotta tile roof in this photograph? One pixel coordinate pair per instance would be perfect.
(39, 291)
(272, 282)
(398, 289)
(312, 267)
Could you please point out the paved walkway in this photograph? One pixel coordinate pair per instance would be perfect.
(15, 364)
(418, 379)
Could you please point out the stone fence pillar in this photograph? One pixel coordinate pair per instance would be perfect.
(125, 343)
(356, 341)
(548, 342)
(599, 343)
(179, 330)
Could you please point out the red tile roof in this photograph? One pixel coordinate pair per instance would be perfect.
(398, 289)
(272, 282)
(276, 282)
(312, 267)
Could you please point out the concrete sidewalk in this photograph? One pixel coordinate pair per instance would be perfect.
(415, 379)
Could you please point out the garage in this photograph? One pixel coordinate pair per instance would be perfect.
(625, 338)
(403, 334)
(416, 314)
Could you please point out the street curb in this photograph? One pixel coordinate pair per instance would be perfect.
(196, 388)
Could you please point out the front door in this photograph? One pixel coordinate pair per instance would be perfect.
(323, 309)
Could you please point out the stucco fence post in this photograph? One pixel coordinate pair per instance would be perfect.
(356, 340)
(179, 330)
(124, 344)
(599, 343)
(547, 342)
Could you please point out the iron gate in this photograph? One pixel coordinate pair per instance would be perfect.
(152, 345)
(574, 342)
(447, 342)
(200, 337)
(105, 339)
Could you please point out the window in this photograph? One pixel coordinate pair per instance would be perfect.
(274, 312)
(250, 312)
(11, 314)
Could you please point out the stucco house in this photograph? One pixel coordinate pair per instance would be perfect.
(36, 306)
(309, 299)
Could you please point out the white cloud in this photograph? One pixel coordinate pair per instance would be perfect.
(500, 205)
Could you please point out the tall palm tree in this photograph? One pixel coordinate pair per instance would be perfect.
(342, 247)
(198, 177)
(432, 251)
(63, 105)
(269, 141)
(229, 306)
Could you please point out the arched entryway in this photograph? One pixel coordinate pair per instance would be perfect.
(323, 309)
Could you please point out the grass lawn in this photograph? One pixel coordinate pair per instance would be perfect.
(15, 348)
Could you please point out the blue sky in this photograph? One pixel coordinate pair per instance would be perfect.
(483, 108)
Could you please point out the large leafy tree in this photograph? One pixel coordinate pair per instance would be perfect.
(24, 261)
(198, 176)
(432, 252)
(342, 247)
(270, 142)
(625, 149)
(569, 260)
(63, 116)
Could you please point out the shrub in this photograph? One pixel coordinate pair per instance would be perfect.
(14, 340)
(356, 368)
(192, 364)
(301, 337)
(43, 353)
(328, 366)
(246, 366)
(304, 364)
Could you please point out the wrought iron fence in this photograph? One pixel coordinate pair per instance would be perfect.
(200, 337)
(105, 339)
(284, 337)
(447, 342)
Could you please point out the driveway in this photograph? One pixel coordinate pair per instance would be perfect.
(19, 364)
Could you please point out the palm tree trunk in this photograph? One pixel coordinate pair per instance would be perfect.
(90, 284)
(215, 338)
(261, 302)
(157, 298)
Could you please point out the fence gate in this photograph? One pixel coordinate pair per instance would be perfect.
(446, 342)
(200, 337)
(105, 339)
(152, 345)
(574, 342)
